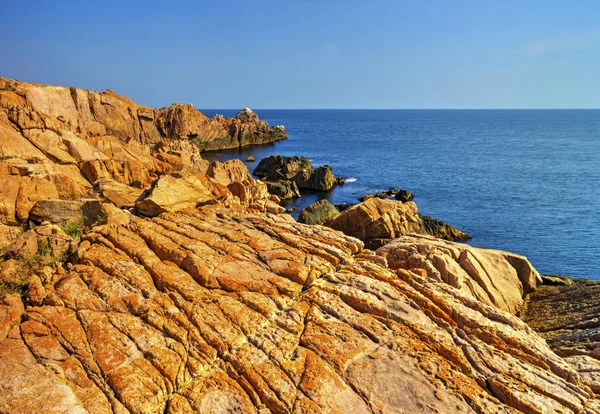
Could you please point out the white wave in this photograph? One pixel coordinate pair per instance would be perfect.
(350, 179)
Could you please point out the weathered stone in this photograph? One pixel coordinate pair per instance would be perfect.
(318, 212)
(216, 310)
(378, 219)
(172, 193)
(492, 276)
(121, 195)
(186, 122)
(57, 211)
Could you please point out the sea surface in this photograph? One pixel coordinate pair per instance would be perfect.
(526, 181)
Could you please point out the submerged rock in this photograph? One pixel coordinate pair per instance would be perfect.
(318, 213)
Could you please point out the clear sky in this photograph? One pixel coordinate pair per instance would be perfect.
(312, 53)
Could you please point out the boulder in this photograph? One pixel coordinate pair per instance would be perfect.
(279, 167)
(378, 219)
(318, 213)
(57, 211)
(441, 230)
(285, 190)
(172, 193)
(320, 179)
(298, 169)
(493, 277)
(121, 195)
(250, 158)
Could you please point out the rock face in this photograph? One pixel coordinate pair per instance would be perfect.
(186, 122)
(298, 170)
(218, 310)
(376, 221)
(56, 142)
(318, 213)
(493, 277)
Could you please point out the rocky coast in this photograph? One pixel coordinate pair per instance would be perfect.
(137, 277)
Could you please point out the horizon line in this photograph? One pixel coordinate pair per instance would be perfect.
(405, 109)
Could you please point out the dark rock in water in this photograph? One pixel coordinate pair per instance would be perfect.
(320, 179)
(441, 230)
(291, 209)
(250, 158)
(285, 189)
(565, 312)
(400, 195)
(404, 196)
(318, 213)
(368, 197)
(344, 206)
(297, 169)
(339, 180)
(278, 167)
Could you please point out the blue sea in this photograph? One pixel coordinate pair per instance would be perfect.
(526, 181)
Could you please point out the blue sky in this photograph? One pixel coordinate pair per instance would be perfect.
(312, 54)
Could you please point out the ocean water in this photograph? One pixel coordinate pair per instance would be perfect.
(526, 181)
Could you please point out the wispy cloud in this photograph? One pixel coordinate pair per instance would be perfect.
(331, 47)
(567, 41)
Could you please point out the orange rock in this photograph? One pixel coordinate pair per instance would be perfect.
(220, 309)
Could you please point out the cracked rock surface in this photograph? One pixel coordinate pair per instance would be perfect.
(223, 310)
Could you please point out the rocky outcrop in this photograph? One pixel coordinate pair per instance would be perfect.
(377, 221)
(297, 169)
(214, 310)
(441, 230)
(493, 277)
(57, 142)
(318, 213)
(186, 122)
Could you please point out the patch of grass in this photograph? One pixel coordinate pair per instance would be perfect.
(17, 286)
(7, 87)
(73, 229)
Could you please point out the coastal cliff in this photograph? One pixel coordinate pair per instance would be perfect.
(140, 278)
